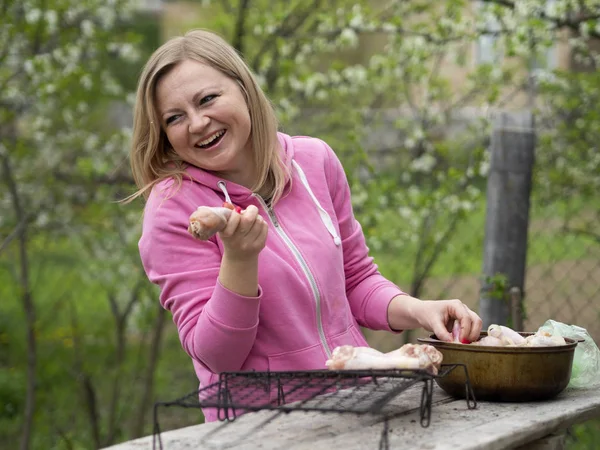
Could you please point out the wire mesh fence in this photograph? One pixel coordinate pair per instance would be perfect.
(562, 280)
(562, 270)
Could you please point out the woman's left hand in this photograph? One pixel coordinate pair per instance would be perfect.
(437, 316)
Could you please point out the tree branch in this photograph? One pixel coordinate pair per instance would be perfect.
(89, 392)
(27, 302)
(145, 404)
(240, 26)
(15, 233)
(121, 321)
(558, 22)
(284, 29)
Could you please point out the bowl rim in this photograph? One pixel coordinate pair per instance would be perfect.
(435, 342)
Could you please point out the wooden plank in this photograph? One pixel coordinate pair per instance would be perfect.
(285, 428)
(492, 426)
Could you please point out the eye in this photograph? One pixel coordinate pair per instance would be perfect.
(207, 98)
(172, 118)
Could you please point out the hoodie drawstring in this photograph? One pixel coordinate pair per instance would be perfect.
(324, 216)
(221, 185)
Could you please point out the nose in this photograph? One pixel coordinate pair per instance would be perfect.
(198, 121)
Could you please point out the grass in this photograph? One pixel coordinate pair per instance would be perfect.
(585, 436)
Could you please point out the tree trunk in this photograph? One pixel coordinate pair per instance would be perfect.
(27, 302)
(88, 391)
(146, 402)
(121, 319)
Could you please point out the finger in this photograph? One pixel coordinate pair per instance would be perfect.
(439, 328)
(262, 231)
(458, 310)
(250, 211)
(247, 220)
(477, 323)
(471, 325)
(232, 225)
(466, 324)
(256, 228)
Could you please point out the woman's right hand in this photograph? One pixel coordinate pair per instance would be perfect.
(245, 234)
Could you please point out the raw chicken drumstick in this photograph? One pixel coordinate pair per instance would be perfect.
(501, 336)
(507, 335)
(207, 220)
(429, 357)
(409, 356)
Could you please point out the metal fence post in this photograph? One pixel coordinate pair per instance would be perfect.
(507, 213)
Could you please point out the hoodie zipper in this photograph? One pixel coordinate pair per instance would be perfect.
(305, 269)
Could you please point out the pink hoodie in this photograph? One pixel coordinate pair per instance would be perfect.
(317, 283)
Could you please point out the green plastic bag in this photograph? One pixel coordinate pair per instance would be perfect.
(586, 361)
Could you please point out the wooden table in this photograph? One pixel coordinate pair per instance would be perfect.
(491, 426)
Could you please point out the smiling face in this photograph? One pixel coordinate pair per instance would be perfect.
(205, 117)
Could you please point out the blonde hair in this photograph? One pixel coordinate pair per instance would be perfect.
(151, 162)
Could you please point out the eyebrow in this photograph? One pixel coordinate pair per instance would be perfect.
(195, 98)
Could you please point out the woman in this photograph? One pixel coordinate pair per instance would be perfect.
(289, 278)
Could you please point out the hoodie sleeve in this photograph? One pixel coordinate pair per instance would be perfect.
(216, 327)
(368, 292)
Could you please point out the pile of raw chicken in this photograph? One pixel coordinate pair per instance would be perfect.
(501, 336)
(428, 358)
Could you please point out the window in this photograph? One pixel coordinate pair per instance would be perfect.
(546, 57)
(487, 51)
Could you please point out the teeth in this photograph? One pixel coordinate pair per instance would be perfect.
(217, 135)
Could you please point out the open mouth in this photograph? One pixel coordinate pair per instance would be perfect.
(211, 141)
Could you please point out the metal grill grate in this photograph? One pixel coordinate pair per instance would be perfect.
(344, 392)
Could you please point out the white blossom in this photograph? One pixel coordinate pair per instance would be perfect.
(423, 164)
(87, 28)
(356, 21)
(349, 37)
(405, 212)
(33, 15)
(51, 20)
(484, 168)
(321, 95)
(86, 81)
(107, 17)
(28, 66)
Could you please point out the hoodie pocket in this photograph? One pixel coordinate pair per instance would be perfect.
(351, 336)
(308, 358)
(288, 388)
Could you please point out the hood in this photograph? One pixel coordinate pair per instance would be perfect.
(240, 194)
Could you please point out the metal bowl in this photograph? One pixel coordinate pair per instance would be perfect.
(506, 374)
